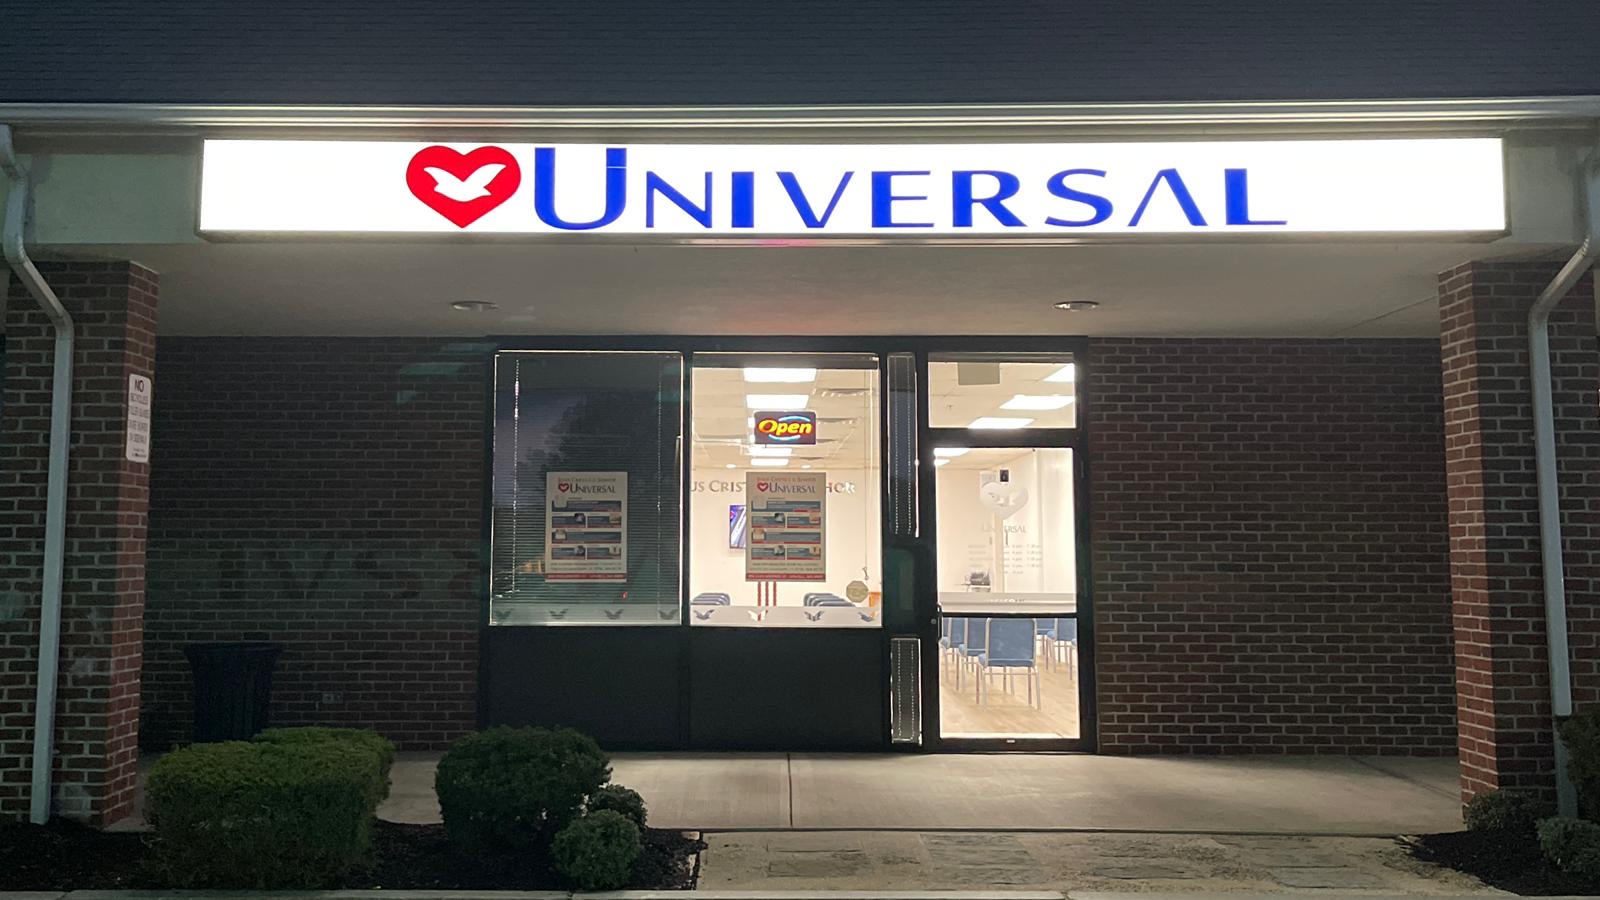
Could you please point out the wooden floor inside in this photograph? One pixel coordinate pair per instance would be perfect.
(1005, 711)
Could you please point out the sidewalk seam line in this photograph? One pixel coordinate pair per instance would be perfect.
(1406, 778)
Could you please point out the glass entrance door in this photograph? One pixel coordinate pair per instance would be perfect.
(1010, 645)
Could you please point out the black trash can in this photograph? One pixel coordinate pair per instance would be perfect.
(232, 688)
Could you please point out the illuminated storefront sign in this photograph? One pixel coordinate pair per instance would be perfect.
(785, 428)
(1434, 185)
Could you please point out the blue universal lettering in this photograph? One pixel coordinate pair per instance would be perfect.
(1237, 187)
(962, 200)
(883, 198)
(1180, 192)
(544, 189)
(655, 184)
(744, 199)
(803, 206)
(1057, 185)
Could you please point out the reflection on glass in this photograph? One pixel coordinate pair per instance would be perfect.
(586, 489)
(785, 527)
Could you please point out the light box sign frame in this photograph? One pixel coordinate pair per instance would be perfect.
(778, 193)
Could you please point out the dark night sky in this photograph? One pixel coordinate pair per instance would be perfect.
(578, 52)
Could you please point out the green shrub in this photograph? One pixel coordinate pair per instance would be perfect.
(262, 815)
(1510, 812)
(514, 788)
(1572, 845)
(616, 798)
(371, 741)
(1581, 734)
(596, 851)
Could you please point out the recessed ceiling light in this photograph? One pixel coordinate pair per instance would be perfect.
(759, 450)
(775, 375)
(1037, 401)
(806, 466)
(1077, 305)
(1067, 373)
(776, 402)
(998, 422)
(474, 306)
(951, 452)
(731, 466)
(768, 461)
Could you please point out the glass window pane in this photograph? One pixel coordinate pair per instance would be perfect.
(586, 489)
(1007, 569)
(1009, 392)
(785, 498)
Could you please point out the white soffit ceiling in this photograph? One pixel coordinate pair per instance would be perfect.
(1354, 289)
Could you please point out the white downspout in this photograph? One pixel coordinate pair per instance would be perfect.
(1544, 443)
(55, 515)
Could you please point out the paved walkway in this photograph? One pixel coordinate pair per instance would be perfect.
(1017, 792)
(1069, 862)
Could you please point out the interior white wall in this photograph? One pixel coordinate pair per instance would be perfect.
(1039, 537)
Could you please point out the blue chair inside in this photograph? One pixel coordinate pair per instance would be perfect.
(977, 636)
(711, 599)
(1045, 627)
(955, 632)
(1067, 630)
(1011, 643)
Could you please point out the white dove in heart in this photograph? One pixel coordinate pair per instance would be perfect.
(474, 186)
(1003, 499)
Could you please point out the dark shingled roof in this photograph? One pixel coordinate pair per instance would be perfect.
(713, 52)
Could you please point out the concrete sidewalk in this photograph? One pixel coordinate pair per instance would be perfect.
(1070, 862)
(1017, 792)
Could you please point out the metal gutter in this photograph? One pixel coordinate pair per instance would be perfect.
(16, 254)
(1465, 110)
(1544, 442)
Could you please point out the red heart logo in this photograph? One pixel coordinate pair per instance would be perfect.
(761, 486)
(562, 486)
(463, 187)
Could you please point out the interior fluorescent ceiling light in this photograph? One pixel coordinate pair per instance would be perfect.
(951, 452)
(1037, 401)
(776, 375)
(999, 422)
(1068, 373)
(768, 461)
(940, 462)
(776, 402)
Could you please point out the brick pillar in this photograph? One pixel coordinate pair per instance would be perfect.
(97, 710)
(1502, 674)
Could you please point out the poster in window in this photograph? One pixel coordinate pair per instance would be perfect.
(786, 513)
(586, 526)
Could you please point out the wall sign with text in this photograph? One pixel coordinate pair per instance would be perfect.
(586, 526)
(1379, 186)
(787, 514)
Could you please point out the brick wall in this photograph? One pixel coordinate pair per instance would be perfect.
(326, 493)
(1270, 551)
(1504, 702)
(113, 305)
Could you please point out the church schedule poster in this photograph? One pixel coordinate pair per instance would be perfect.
(586, 526)
(786, 513)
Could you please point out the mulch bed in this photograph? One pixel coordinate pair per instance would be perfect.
(62, 856)
(1509, 863)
